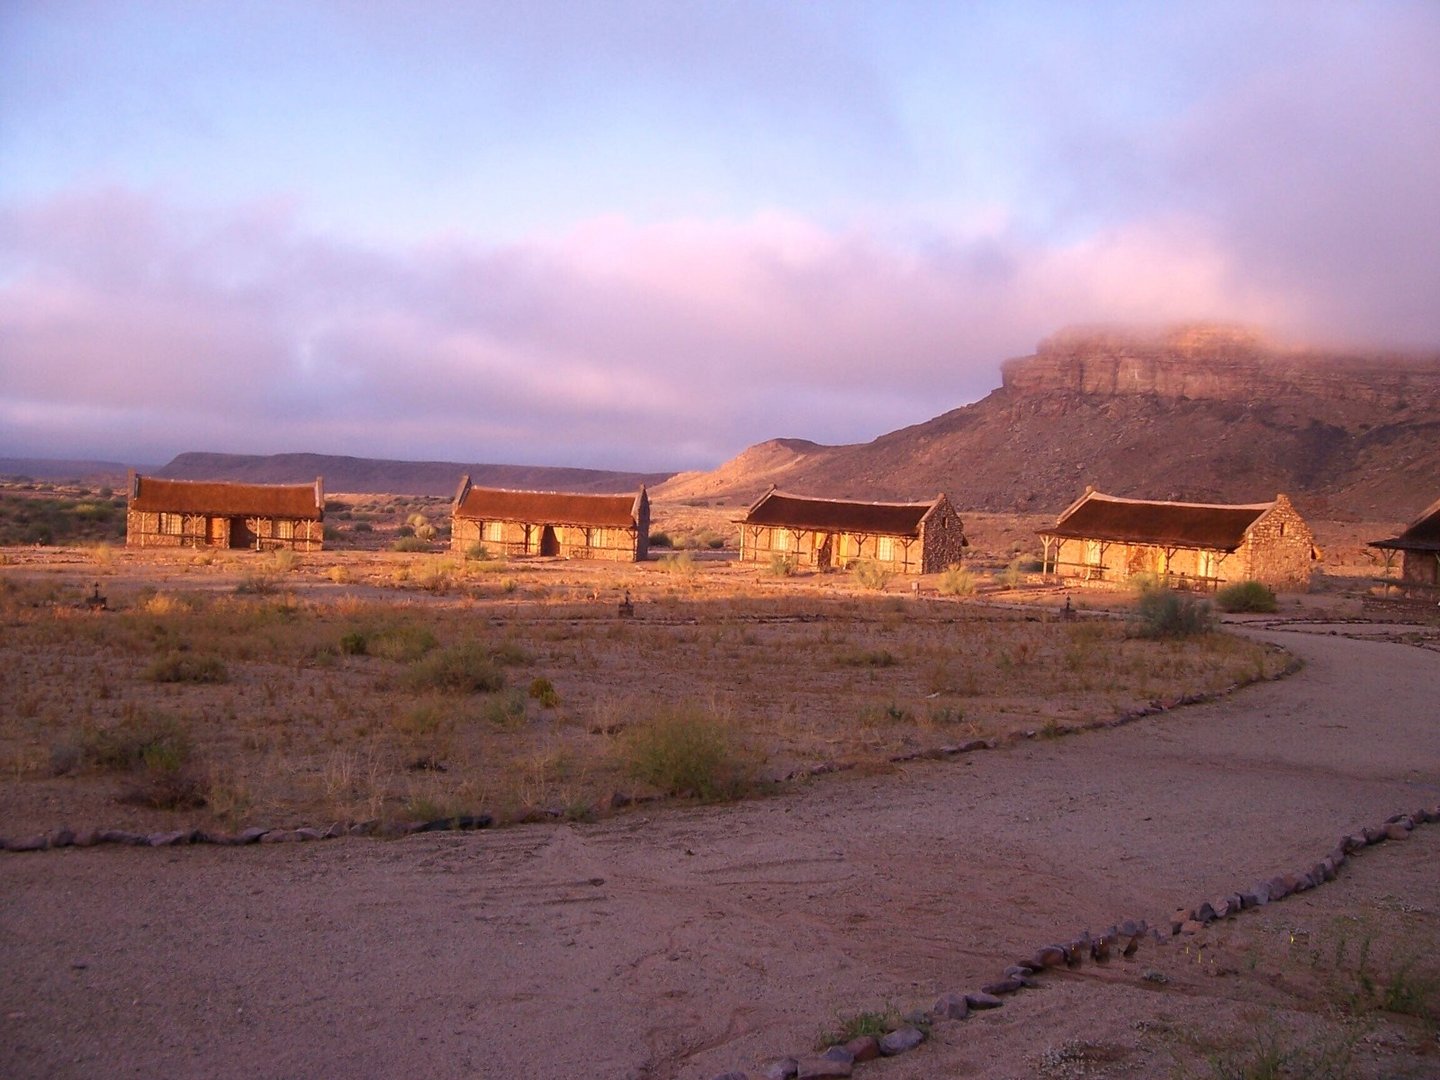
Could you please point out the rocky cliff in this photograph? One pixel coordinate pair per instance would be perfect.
(1197, 412)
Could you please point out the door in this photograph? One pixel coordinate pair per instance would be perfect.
(549, 542)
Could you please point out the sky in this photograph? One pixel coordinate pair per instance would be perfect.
(647, 235)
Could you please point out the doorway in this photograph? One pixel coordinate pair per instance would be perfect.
(549, 542)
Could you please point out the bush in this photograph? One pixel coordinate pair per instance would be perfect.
(956, 581)
(543, 691)
(409, 544)
(1246, 596)
(477, 552)
(782, 565)
(154, 742)
(686, 752)
(460, 669)
(1162, 613)
(660, 540)
(179, 667)
(870, 575)
(403, 643)
(681, 564)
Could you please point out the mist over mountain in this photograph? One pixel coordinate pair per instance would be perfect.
(1199, 412)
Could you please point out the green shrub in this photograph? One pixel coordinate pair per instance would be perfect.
(409, 543)
(153, 741)
(477, 552)
(782, 565)
(402, 643)
(466, 668)
(1246, 596)
(181, 667)
(866, 658)
(543, 691)
(660, 540)
(956, 581)
(1163, 613)
(681, 564)
(869, 574)
(686, 752)
(505, 710)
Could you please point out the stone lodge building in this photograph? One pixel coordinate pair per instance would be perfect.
(204, 513)
(567, 524)
(1419, 550)
(1105, 539)
(907, 538)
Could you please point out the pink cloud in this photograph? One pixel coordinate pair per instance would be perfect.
(613, 344)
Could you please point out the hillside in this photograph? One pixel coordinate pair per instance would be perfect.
(369, 475)
(1201, 413)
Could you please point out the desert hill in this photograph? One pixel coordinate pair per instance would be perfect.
(372, 475)
(1199, 412)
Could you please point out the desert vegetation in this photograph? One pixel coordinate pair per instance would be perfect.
(384, 685)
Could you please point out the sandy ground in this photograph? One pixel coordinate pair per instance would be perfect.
(685, 942)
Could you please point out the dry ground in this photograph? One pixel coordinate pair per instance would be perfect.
(295, 691)
(680, 942)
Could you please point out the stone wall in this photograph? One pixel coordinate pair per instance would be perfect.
(1279, 549)
(611, 543)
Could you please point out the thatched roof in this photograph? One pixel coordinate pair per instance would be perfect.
(1205, 526)
(152, 494)
(548, 507)
(1422, 535)
(838, 515)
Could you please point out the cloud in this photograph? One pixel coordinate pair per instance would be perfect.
(135, 327)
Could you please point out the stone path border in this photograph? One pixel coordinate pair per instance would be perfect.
(1121, 939)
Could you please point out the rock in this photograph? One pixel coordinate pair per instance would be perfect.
(337, 830)
(1191, 926)
(1205, 913)
(1374, 835)
(732, 1076)
(38, 842)
(62, 837)
(87, 837)
(780, 1069)
(983, 1000)
(1353, 842)
(1019, 971)
(838, 1052)
(364, 828)
(1051, 956)
(900, 1041)
(820, 1068)
(281, 836)
(1002, 986)
(1100, 948)
(308, 833)
(120, 836)
(1396, 830)
(950, 1007)
(863, 1048)
(171, 839)
(251, 835)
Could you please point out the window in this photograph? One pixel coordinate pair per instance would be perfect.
(494, 531)
(170, 524)
(885, 549)
(782, 540)
(1092, 552)
(285, 529)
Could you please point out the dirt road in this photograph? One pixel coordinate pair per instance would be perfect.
(681, 943)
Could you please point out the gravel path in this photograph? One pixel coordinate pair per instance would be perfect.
(681, 943)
